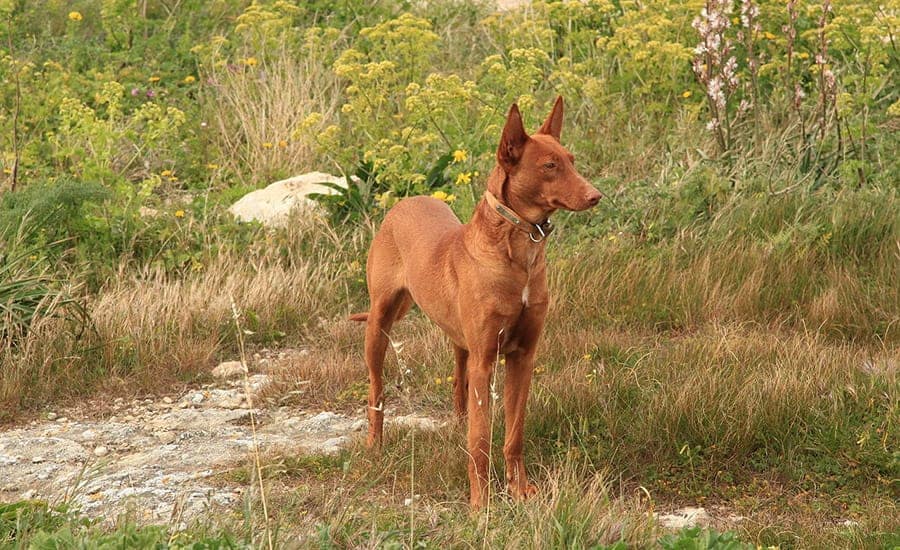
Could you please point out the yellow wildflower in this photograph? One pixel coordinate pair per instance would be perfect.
(803, 55)
(686, 94)
(179, 213)
(7, 171)
(153, 79)
(251, 61)
(769, 36)
(166, 173)
(460, 155)
(189, 79)
(282, 143)
(464, 178)
(587, 357)
(75, 16)
(267, 144)
(212, 166)
(442, 196)
(438, 381)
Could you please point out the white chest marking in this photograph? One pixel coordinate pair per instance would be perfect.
(525, 296)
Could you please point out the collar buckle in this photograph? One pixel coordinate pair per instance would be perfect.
(510, 216)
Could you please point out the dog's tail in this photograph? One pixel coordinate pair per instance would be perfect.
(361, 317)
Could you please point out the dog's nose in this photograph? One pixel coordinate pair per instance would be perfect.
(593, 197)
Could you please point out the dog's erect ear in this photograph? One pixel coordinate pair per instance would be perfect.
(513, 139)
(553, 125)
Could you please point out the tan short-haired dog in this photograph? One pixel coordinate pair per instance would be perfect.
(484, 283)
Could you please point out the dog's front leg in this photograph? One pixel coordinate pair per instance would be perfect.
(480, 367)
(519, 368)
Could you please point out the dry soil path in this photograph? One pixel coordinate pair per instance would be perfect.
(157, 457)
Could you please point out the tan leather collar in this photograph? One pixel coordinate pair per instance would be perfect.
(537, 232)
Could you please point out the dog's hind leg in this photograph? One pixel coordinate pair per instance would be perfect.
(381, 318)
(460, 382)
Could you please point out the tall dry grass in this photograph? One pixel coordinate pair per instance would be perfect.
(255, 111)
(152, 329)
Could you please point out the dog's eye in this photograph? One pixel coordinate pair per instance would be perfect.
(549, 165)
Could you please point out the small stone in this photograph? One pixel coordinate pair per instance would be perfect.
(232, 402)
(167, 400)
(52, 416)
(62, 420)
(184, 405)
(119, 401)
(228, 369)
(88, 435)
(29, 494)
(37, 459)
(165, 438)
(197, 398)
(101, 451)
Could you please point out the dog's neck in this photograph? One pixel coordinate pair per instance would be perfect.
(488, 231)
(498, 184)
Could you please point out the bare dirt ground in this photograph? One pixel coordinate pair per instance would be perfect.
(157, 457)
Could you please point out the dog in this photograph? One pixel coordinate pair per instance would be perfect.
(484, 283)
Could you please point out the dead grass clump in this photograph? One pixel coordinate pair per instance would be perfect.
(257, 109)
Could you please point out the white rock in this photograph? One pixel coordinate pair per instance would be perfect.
(51, 416)
(29, 494)
(228, 369)
(167, 400)
(37, 459)
(101, 451)
(688, 516)
(272, 205)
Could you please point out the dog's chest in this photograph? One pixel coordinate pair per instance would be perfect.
(530, 259)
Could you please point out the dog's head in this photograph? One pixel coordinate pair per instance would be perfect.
(540, 171)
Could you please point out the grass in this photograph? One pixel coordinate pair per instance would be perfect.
(752, 372)
(152, 329)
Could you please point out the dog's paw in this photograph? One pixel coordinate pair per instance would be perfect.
(522, 492)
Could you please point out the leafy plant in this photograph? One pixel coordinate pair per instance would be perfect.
(29, 291)
(695, 538)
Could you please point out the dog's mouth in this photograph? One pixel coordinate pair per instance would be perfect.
(574, 206)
